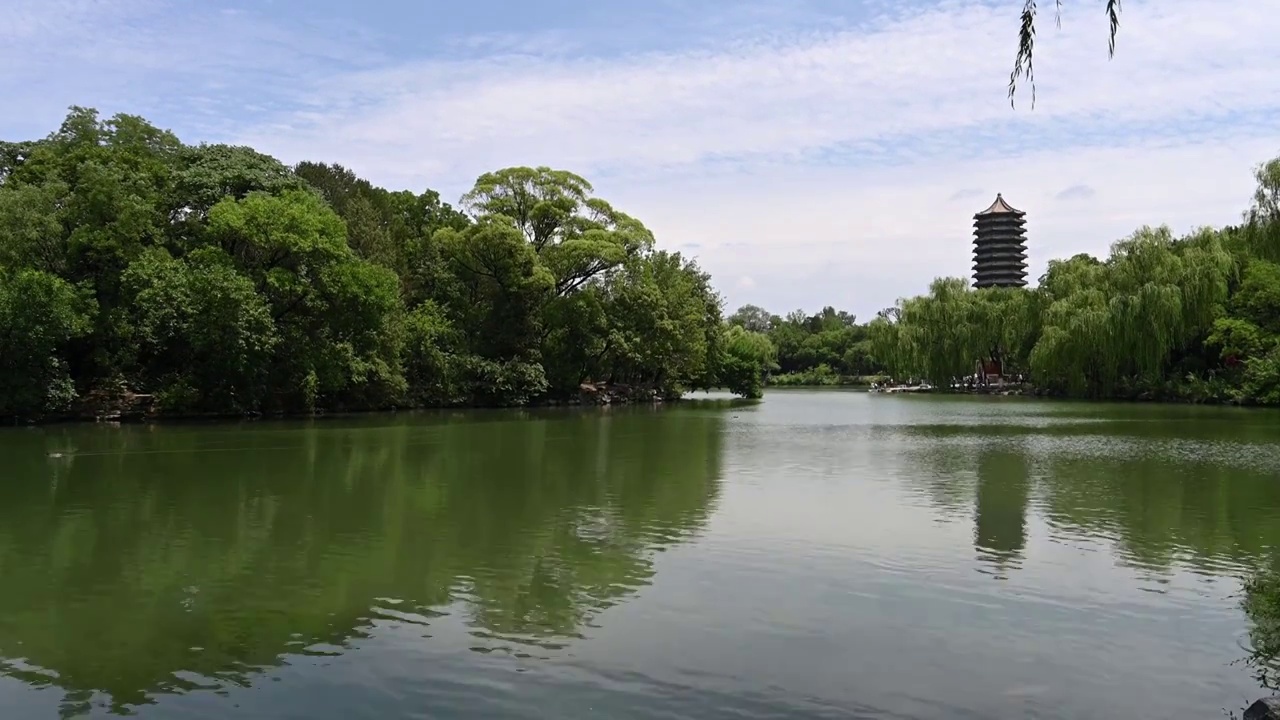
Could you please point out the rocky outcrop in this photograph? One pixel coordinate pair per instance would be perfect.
(112, 403)
(1264, 709)
(616, 394)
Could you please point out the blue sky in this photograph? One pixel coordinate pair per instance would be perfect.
(808, 152)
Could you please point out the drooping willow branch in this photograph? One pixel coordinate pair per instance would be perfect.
(1022, 62)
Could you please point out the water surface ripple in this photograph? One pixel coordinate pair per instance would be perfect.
(816, 555)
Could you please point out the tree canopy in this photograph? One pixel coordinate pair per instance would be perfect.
(829, 347)
(216, 279)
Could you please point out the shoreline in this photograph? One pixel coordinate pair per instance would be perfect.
(1032, 392)
(146, 417)
(1046, 395)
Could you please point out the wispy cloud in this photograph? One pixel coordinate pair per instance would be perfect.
(818, 154)
(965, 194)
(1076, 192)
(199, 68)
(902, 90)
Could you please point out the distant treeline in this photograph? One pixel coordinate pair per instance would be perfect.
(1195, 318)
(827, 348)
(215, 279)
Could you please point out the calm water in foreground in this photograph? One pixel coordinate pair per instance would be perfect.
(820, 554)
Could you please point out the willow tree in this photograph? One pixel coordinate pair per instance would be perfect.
(1075, 351)
(1262, 220)
(939, 336)
(884, 334)
(1022, 64)
(1007, 322)
(933, 336)
(1075, 319)
(1126, 317)
(1165, 291)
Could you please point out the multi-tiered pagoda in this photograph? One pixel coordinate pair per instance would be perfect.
(999, 246)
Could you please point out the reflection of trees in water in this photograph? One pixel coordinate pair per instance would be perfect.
(1168, 486)
(1159, 512)
(1197, 490)
(1183, 491)
(213, 551)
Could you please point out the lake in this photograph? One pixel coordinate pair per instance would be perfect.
(818, 554)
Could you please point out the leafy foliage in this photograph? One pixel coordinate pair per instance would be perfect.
(219, 280)
(39, 315)
(748, 356)
(827, 348)
(1261, 604)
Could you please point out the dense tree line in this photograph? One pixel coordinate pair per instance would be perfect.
(1191, 318)
(218, 280)
(827, 348)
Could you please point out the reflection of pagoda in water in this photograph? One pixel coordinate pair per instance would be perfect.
(1000, 508)
(999, 246)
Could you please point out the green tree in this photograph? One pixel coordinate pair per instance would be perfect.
(825, 348)
(578, 237)
(746, 359)
(499, 289)
(663, 320)
(336, 314)
(222, 280)
(39, 315)
(96, 191)
(205, 335)
(575, 339)
(1257, 299)
(31, 229)
(208, 174)
(752, 318)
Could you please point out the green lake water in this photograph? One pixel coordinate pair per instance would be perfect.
(817, 554)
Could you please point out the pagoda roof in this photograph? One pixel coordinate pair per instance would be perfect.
(1000, 207)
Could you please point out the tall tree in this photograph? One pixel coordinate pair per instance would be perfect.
(578, 237)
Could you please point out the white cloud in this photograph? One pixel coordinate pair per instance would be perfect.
(723, 148)
(938, 71)
(194, 68)
(837, 167)
(858, 240)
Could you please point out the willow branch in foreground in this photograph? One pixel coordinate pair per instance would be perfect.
(1022, 62)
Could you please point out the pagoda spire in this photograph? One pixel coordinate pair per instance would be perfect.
(1000, 246)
